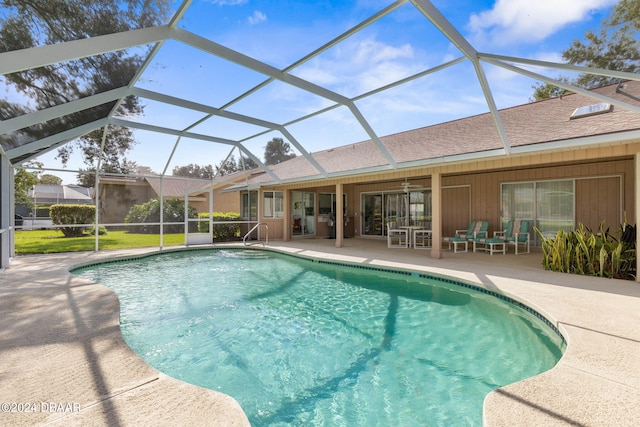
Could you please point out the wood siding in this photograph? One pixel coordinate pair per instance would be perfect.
(597, 201)
(456, 209)
(604, 189)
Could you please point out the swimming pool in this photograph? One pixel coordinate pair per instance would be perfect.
(298, 342)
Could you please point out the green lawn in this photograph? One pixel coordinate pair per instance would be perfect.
(53, 241)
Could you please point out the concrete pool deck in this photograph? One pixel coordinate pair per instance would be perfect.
(63, 360)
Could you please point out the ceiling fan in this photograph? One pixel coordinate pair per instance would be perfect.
(407, 186)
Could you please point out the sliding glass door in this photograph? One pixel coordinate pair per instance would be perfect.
(371, 215)
(550, 205)
(407, 208)
(303, 221)
(396, 208)
(555, 201)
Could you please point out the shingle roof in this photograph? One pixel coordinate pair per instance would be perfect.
(177, 187)
(170, 187)
(528, 124)
(48, 193)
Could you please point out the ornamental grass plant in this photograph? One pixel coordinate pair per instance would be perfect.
(583, 251)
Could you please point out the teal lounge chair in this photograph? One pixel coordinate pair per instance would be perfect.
(476, 230)
(517, 234)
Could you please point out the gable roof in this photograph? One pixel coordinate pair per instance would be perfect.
(177, 187)
(48, 193)
(529, 127)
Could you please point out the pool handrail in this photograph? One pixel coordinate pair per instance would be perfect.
(266, 242)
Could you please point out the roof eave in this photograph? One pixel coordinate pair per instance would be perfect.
(559, 145)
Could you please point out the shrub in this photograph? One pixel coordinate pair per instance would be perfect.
(72, 214)
(582, 251)
(221, 232)
(150, 213)
(102, 231)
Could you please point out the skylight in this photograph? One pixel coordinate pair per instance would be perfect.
(591, 110)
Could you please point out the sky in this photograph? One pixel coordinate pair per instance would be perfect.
(401, 44)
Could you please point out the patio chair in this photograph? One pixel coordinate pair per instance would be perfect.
(397, 237)
(517, 234)
(422, 237)
(476, 230)
(297, 225)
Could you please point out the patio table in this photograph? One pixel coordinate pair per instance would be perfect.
(412, 229)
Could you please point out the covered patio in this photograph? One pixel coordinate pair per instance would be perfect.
(62, 343)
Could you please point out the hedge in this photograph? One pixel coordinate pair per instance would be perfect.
(72, 214)
(221, 232)
(173, 211)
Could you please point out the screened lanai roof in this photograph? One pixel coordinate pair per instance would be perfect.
(220, 75)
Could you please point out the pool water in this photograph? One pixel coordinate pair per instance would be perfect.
(297, 342)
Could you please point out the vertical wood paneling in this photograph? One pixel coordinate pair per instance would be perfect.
(455, 209)
(598, 200)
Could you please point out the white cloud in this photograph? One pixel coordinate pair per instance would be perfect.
(527, 21)
(257, 18)
(359, 66)
(371, 51)
(229, 2)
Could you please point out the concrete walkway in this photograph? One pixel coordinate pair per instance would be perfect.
(62, 354)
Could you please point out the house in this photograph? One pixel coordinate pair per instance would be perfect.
(118, 194)
(45, 195)
(569, 160)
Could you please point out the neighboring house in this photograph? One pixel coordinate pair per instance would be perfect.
(566, 160)
(118, 194)
(45, 195)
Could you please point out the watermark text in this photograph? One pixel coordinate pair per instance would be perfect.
(39, 407)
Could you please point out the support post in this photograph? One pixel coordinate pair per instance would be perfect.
(436, 215)
(636, 213)
(339, 225)
(286, 236)
(7, 220)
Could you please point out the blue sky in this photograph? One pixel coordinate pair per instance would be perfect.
(400, 44)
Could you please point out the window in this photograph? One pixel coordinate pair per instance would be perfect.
(555, 206)
(273, 204)
(420, 207)
(327, 203)
(549, 204)
(249, 205)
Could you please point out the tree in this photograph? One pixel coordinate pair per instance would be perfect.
(615, 47)
(277, 151)
(246, 163)
(87, 177)
(29, 23)
(23, 184)
(547, 90)
(49, 179)
(230, 165)
(194, 171)
(227, 167)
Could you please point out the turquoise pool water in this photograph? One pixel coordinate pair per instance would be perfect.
(303, 343)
